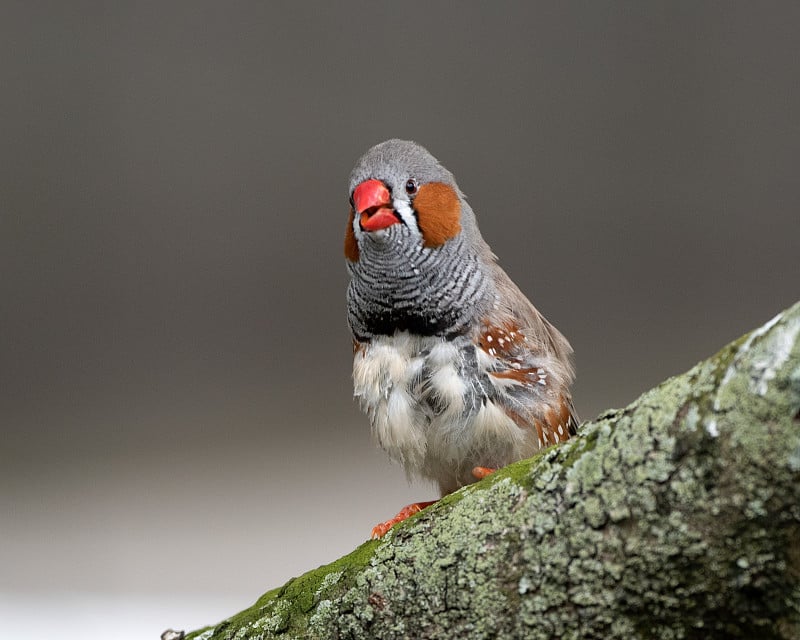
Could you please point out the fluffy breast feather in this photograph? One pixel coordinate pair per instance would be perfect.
(441, 407)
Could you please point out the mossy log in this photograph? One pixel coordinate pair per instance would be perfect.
(675, 517)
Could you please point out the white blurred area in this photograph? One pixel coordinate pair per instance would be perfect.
(183, 542)
(83, 615)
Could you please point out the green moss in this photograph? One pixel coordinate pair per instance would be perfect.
(284, 610)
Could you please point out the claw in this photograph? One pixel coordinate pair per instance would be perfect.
(380, 530)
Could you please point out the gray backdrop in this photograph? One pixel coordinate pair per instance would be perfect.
(174, 358)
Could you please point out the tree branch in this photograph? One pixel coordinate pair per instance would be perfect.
(675, 517)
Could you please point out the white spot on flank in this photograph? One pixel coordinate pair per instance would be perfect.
(560, 430)
(488, 338)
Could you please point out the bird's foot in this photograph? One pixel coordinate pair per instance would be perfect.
(481, 472)
(380, 530)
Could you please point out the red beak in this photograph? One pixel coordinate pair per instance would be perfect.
(374, 204)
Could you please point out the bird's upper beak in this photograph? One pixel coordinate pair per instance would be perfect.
(373, 203)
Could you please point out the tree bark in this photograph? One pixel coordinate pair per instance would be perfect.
(675, 517)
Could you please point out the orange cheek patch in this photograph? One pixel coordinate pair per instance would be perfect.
(439, 213)
(350, 243)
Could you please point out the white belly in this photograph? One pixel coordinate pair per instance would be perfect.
(431, 406)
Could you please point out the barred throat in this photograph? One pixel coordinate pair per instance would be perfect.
(398, 285)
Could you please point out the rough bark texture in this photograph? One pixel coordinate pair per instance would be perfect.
(675, 517)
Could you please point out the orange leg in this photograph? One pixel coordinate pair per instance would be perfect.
(481, 472)
(379, 530)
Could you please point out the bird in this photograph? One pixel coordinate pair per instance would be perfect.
(457, 371)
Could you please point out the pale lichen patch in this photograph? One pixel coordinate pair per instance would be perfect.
(328, 581)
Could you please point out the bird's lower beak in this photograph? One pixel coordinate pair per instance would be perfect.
(380, 219)
(373, 203)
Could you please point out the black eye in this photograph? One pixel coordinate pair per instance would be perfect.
(411, 186)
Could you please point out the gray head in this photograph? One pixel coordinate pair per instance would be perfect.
(395, 161)
(414, 251)
(422, 196)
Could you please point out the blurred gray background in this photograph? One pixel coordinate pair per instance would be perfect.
(178, 433)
